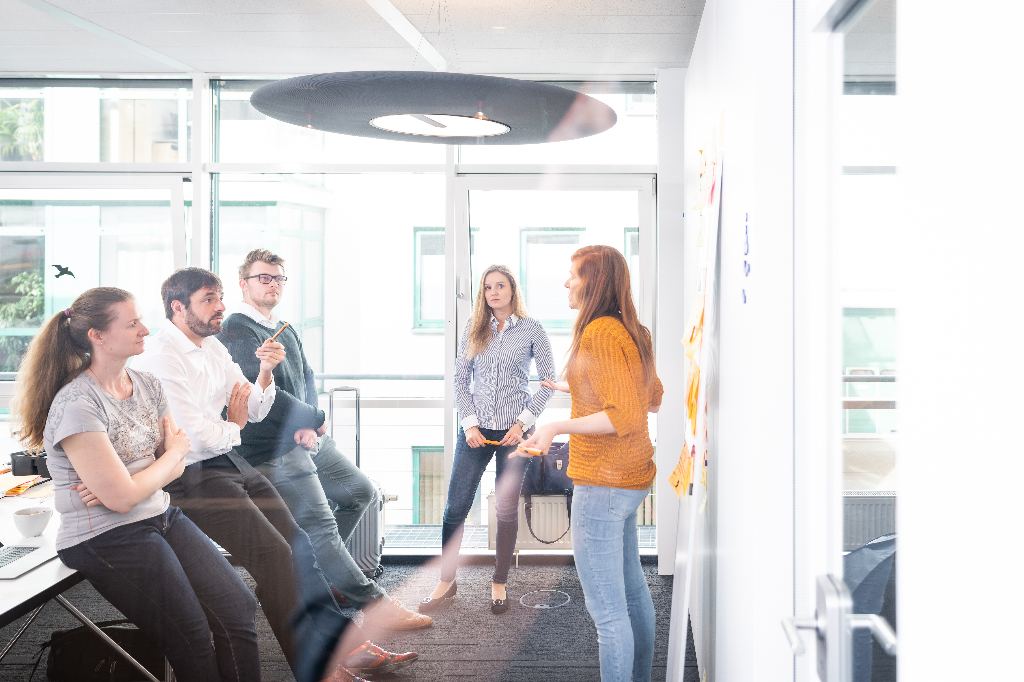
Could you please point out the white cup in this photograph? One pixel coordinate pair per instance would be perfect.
(32, 521)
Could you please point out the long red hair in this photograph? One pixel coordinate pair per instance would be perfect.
(605, 291)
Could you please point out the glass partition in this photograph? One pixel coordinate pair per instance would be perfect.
(866, 229)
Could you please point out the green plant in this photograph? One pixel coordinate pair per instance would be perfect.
(21, 129)
(25, 311)
(27, 308)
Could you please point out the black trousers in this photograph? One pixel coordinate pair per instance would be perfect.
(241, 511)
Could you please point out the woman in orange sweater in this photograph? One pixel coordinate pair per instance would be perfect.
(613, 384)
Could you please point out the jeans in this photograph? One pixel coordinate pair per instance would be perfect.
(240, 510)
(165, 576)
(604, 541)
(467, 469)
(311, 483)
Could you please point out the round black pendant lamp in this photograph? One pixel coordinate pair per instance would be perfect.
(430, 106)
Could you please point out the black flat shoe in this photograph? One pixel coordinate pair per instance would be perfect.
(499, 606)
(429, 605)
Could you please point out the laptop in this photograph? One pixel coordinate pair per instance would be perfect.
(21, 557)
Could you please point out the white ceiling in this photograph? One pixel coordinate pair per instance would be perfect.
(585, 38)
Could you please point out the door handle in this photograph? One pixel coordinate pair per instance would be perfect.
(790, 627)
(833, 625)
(879, 628)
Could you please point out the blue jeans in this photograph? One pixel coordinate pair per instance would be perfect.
(604, 542)
(166, 576)
(467, 469)
(313, 482)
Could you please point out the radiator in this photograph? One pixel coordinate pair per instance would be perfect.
(550, 519)
(867, 514)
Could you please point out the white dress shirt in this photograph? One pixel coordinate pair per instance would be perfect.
(197, 381)
(256, 316)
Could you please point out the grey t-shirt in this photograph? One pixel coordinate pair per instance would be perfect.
(133, 426)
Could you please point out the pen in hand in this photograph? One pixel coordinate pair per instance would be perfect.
(278, 332)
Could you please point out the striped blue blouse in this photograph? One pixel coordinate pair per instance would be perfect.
(492, 389)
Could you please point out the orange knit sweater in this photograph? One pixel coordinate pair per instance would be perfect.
(607, 375)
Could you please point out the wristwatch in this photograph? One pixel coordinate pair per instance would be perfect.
(522, 426)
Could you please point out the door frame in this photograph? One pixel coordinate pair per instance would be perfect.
(457, 235)
(817, 313)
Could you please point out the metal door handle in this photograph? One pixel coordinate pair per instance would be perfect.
(790, 627)
(879, 627)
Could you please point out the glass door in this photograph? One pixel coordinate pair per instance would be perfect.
(845, 507)
(533, 225)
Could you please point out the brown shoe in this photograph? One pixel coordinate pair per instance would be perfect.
(390, 614)
(369, 659)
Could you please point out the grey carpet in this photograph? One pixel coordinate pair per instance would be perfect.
(466, 641)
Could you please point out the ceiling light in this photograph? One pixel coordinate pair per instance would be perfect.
(440, 125)
(427, 106)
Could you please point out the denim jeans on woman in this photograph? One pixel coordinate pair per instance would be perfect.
(604, 541)
(467, 469)
(167, 577)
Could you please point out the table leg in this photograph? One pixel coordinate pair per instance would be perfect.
(24, 627)
(102, 635)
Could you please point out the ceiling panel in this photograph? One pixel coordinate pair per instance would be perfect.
(577, 7)
(278, 37)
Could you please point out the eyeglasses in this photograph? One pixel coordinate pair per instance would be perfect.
(267, 279)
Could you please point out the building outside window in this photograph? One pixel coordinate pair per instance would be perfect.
(428, 281)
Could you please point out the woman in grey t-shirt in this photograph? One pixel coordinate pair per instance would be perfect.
(111, 447)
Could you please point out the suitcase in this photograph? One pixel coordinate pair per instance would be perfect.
(366, 545)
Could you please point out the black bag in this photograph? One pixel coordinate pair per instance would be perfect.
(79, 655)
(548, 475)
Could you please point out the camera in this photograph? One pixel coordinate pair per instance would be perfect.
(27, 464)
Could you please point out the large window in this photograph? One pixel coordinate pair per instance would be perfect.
(535, 232)
(363, 225)
(349, 286)
(264, 213)
(103, 237)
(95, 121)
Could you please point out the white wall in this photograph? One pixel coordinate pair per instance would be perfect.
(959, 589)
(739, 89)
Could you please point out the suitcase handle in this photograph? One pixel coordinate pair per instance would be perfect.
(330, 413)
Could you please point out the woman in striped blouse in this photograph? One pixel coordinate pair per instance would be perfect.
(611, 377)
(495, 409)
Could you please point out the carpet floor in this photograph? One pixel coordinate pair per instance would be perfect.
(466, 642)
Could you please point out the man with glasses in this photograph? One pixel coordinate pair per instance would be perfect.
(325, 491)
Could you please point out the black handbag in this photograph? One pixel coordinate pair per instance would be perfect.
(79, 655)
(548, 475)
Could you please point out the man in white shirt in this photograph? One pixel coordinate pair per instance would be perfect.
(222, 494)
